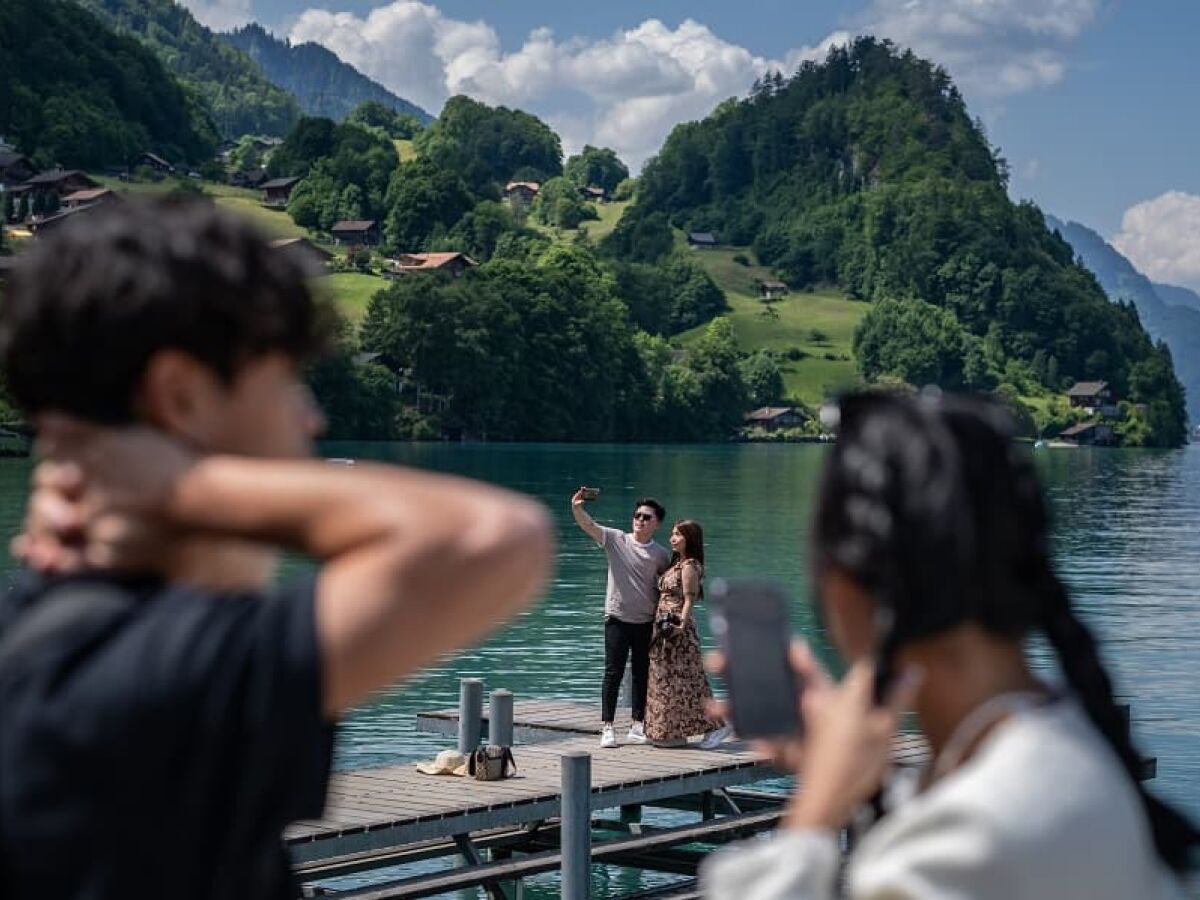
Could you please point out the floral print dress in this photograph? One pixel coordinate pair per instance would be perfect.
(678, 686)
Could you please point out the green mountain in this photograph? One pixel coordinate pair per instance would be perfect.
(238, 95)
(79, 95)
(323, 84)
(1177, 326)
(867, 172)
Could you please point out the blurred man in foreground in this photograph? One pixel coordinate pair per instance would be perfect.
(164, 711)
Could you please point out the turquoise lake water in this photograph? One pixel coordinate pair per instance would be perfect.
(1128, 543)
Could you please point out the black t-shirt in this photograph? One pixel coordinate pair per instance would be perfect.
(161, 752)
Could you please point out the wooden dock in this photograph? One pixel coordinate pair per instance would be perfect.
(394, 814)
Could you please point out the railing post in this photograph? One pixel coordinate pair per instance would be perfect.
(470, 713)
(576, 769)
(500, 718)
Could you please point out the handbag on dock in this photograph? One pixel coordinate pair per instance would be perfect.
(491, 763)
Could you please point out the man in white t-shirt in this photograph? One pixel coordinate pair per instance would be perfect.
(635, 561)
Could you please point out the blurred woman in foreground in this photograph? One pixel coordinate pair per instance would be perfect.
(932, 565)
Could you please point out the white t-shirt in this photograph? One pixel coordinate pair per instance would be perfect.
(1043, 809)
(633, 570)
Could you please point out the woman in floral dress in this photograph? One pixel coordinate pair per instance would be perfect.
(678, 686)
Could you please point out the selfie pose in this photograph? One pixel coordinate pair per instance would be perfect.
(932, 565)
(679, 688)
(635, 561)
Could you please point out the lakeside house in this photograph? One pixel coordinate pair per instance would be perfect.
(92, 195)
(416, 263)
(1092, 396)
(772, 418)
(521, 192)
(15, 168)
(304, 251)
(356, 233)
(1089, 434)
(772, 290)
(39, 227)
(596, 194)
(153, 161)
(702, 240)
(278, 191)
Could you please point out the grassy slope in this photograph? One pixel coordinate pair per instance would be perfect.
(351, 292)
(405, 149)
(799, 314)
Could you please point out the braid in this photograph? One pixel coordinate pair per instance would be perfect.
(1174, 836)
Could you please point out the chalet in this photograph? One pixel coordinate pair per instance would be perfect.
(1089, 434)
(772, 290)
(522, 192)
(415, 263)
(702, 240)
(254, 179)
(61, 181)
(591, 192)
(771, 418)
(15, 168)
(305, 252)
(153, 161)
(356, 233)
(1090, 395)
(92, 195)
(278, 191)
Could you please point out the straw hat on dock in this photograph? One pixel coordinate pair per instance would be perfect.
(448, 762)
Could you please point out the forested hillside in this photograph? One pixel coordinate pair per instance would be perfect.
(867, 172)
(322, 84)
(76, 93)
(1177, 326)
(234, 89)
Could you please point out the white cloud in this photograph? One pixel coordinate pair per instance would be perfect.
(220, 15)
(629, 89)
(992, 47)
(625, 91)
(1161, 237)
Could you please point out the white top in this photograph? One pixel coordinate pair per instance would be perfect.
(1043, 809)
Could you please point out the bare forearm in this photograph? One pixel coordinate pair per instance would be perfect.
(586, 522)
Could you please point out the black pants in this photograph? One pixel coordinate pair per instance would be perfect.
(619, 638)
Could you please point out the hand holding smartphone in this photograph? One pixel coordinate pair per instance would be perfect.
(749, 619)
(588, 494)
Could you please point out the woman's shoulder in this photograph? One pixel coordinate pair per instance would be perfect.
(1043, 798)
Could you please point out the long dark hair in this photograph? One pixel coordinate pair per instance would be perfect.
(931, 507)
(693, 534)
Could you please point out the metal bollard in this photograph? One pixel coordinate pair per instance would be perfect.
(470, 713)
(500, 718)
(576, 769)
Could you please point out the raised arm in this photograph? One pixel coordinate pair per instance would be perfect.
(584, 520)
(414, 564)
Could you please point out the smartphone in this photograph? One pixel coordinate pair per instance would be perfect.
(749, 620)
(589, 494)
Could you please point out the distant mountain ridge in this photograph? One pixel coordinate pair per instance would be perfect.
(238, 95)
(1165, 320)
(322, 83)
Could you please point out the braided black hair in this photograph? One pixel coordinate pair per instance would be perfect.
(930, 506)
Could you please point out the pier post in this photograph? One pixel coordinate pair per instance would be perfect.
(576, 769)
(500, 718)
(470, 713)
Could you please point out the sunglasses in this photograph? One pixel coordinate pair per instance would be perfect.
(643, 517)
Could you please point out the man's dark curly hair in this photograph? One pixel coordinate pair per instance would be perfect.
(90, 305)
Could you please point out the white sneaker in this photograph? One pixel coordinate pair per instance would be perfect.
(637, 733)
(607, 737)
(713, 739)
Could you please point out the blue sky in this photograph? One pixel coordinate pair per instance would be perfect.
(1092, 101)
